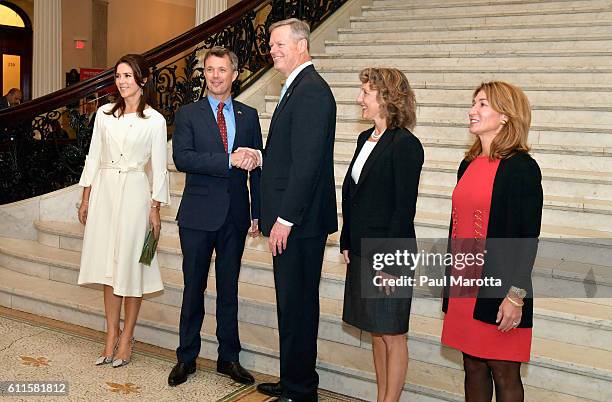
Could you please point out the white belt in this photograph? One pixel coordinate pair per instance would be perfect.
(122, 168)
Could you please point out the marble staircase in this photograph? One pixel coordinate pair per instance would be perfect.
(556, 50)
(570, 353)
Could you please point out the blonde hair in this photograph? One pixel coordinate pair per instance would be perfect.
(512, 102)
(396, 98)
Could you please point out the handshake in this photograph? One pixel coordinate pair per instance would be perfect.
(246, 158)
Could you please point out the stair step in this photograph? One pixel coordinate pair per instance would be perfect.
(598, 61)
(586, 185)
(158, 325)
(555, 135)
(596, 159)
(598, 203)
(513, 31)
(350, 104)
(580, 204)
(594, 43)
(473, 77)
(574, 360)
(561, 208)
(600, 115)
(45, 256)
(67, 235)
(494, 18)
(453, 3)
(539, 96)
(597, 151)
(478, 9)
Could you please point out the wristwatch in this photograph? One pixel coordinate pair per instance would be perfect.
(518, 292)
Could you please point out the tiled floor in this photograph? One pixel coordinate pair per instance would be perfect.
(35, 348)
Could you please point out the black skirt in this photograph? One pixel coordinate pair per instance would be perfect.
(370, 310)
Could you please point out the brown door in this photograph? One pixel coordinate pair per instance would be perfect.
(15, 50)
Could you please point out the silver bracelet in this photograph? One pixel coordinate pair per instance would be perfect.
(518, 292)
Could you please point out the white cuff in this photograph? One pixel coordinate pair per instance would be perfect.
(261, 160)
(283, 222)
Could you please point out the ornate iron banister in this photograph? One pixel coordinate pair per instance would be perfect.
(43, 142)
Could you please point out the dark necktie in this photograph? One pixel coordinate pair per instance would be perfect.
(221, 124)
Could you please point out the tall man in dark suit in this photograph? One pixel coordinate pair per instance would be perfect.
(298, 205)
(214, 212)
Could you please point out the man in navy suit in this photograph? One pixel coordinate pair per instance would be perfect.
(298, 207)
(214, 212)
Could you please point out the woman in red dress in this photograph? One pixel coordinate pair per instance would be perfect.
(498, 196)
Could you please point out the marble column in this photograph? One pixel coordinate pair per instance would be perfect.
(206, 9)
(47, 57)
(99, 33)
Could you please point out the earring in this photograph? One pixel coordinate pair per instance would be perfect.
(503, 122)
(141, 91)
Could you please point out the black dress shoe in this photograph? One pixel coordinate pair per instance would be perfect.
(284, 399)
(270, 388)
(180, 372)
(235, 371)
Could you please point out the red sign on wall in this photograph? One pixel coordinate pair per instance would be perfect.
(87, 73)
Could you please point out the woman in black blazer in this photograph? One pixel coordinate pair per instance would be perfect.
(378, 201)
(497, 207)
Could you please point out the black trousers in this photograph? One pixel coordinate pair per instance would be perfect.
(297, 273)
(198, 245)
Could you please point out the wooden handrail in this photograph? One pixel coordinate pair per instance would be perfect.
(173, 47)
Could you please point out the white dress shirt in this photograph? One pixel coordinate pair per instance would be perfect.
(363, 156)
(294, 74)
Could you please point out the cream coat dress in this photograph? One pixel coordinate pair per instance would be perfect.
(123, 153)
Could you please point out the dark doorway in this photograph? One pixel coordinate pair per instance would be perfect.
(16, 50)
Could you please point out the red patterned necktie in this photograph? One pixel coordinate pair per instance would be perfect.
(221, 124)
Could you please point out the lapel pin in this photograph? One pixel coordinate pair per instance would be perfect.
(240, 112)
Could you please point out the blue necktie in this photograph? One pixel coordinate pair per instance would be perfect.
(283, 90)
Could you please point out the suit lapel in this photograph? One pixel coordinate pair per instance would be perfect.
(382, 144)
(283, 102)
(211, 122)
(238, 116)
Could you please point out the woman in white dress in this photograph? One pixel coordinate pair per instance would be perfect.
(119, 204)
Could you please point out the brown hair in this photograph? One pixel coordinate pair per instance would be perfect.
(140, 67)
(396, 98)
(512, 102)
(220, 51)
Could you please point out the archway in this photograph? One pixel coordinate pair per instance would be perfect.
(15, 49)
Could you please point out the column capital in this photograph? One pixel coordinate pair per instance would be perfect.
(47, 57)
(207, 9)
